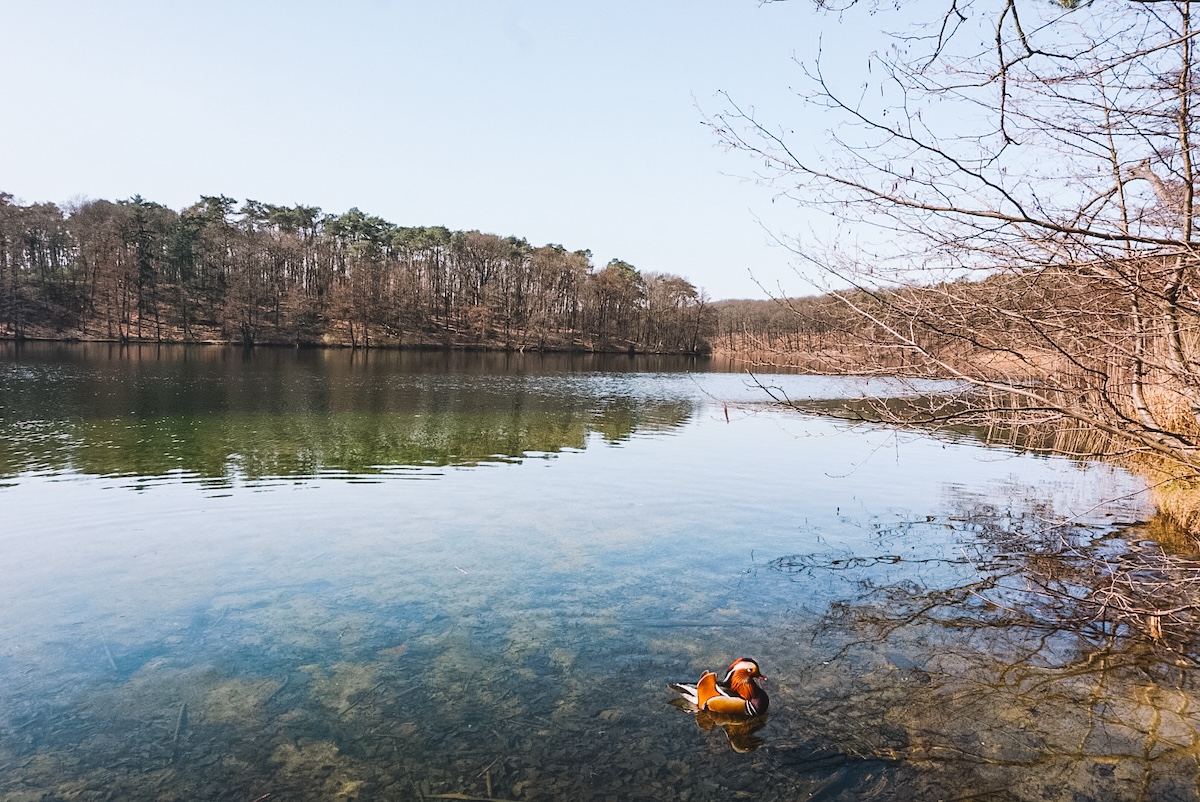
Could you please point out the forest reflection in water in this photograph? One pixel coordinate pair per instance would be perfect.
(931, 626)
(226, 414)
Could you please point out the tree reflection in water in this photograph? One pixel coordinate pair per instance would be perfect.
(1040, 661)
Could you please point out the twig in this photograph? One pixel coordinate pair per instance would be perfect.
(180, 723)
(108, 654)
(286, 679)
(361, 697)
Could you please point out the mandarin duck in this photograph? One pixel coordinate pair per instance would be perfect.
(736, 695)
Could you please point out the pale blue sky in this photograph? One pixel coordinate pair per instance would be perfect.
(557, 121)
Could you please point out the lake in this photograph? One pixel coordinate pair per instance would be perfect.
(336, 575)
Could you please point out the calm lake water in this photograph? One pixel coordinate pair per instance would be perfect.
(324, 575)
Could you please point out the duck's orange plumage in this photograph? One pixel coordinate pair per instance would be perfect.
(736, 694)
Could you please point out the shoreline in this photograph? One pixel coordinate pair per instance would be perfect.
(630, 350)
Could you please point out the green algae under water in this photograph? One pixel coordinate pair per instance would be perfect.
(316, 575)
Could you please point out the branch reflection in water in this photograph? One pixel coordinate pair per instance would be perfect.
(1039, 661)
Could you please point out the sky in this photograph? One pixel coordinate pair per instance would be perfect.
(562, 122)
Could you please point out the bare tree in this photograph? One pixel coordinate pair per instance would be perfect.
(1025, 210)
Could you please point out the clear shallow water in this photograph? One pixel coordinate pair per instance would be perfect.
(218, 583)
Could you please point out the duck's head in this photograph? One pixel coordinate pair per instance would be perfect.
(743, 670)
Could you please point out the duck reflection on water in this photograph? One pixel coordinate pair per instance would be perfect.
(739, 730)
(735, 703)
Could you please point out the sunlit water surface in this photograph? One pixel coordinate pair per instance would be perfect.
(324, 575)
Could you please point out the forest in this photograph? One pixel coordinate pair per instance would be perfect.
(257, 273)
(852, 330)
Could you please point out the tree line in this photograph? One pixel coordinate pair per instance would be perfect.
(822, 334)
(854, 330)
(254, 273)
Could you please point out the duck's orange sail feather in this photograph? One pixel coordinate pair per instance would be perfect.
(706, 689)
(709, 697)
